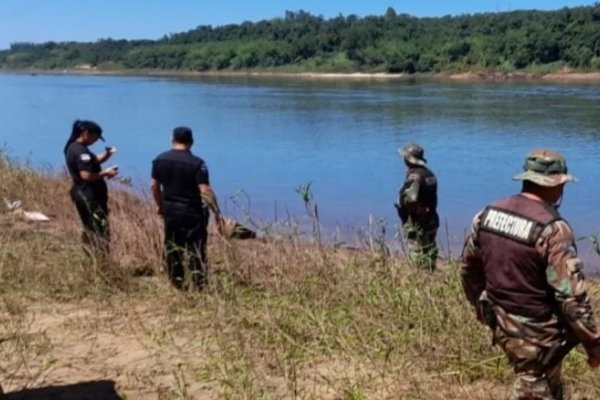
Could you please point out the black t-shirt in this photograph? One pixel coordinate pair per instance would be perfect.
(80, 158)
(179, 173)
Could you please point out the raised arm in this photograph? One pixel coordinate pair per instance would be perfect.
(105, 155)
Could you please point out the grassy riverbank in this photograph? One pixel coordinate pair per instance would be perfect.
(280, 319)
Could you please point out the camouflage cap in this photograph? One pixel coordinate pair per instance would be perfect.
(545, 168)
(413, 154)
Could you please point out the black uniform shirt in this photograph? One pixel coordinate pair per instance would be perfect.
(179, 173)
(80, 158)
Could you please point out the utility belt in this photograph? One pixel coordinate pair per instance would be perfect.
(193, 202)
(180, 206)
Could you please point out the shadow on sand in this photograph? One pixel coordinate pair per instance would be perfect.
(95, 390)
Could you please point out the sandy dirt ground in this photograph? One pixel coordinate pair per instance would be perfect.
(122, 351)
(123, 344)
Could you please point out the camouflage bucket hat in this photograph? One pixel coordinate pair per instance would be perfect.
(413, 153)
(545, 168)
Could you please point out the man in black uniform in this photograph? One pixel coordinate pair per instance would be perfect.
(89, 191)
(417, 208)
(180, 186)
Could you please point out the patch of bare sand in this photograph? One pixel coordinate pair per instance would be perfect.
(576, 77)
(493, 76)
(562, 77)
(89, 343)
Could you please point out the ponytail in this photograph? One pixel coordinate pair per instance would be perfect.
(74, 135)
(78, 128)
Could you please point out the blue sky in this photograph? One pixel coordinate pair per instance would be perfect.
(88, 20)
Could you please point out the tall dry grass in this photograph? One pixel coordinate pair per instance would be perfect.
(281, 318)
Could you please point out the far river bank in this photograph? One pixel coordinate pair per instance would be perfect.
(562, 76)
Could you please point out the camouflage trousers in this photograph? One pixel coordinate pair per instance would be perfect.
(422, 249)
(534, 350)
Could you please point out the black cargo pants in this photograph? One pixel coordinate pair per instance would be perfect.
(185, 245)
(94, 217)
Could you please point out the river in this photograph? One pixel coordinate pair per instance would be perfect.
(264, 137)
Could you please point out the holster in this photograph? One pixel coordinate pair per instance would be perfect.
(485, 311)
(555, 354)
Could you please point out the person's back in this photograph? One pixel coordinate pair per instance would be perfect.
(417, 208)
(520, 270)
(423, 210)
(181, 190)
(179, 173)
(510, 231)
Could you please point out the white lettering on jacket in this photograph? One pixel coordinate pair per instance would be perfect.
(510, 225)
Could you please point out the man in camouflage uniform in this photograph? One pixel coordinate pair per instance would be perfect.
(416, 206)
(520, 270)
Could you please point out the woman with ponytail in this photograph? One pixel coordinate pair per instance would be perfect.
(89, 191)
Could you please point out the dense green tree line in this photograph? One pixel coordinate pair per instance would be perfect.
(390, 43)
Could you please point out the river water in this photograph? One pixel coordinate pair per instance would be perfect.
(263, 138)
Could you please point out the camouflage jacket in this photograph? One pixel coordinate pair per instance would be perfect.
(564, 276)
(417, 198)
